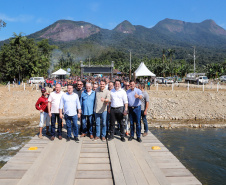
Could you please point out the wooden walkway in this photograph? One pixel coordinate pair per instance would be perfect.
(95, 162)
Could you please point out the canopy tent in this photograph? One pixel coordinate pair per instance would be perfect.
(142, 70)
(60, 73)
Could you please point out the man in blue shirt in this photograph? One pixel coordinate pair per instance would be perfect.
(70, 102)
(87, 101)
(134, 103)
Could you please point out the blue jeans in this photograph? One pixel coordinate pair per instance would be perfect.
(84, 124)
(102, 116)
(144, 121)
(134, 116)
(53, 122)
(71, 120)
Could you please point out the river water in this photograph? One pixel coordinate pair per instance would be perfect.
(202, 151)
(13, 140)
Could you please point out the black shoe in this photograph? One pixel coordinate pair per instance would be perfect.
(139, 140)
(130, 138)
(123, 139)
(76, 139)
(68, 139)
(110, 138)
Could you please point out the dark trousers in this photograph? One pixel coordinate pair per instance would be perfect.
(134, 116)
(53, 122)
(144, 121)
(116, 114)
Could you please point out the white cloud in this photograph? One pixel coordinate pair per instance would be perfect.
(19, 18)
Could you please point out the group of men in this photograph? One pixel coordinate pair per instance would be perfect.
(99, 105)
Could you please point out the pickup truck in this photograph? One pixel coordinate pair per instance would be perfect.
(194, 78)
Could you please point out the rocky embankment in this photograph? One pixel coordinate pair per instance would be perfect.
(166, 106)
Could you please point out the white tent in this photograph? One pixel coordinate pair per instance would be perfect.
(60, 72)
(142, 70)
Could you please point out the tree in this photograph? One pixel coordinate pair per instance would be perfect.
(22, 58)
(2, 23)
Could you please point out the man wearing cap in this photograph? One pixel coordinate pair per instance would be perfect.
(53, 109)
(42, 106)
(134, 103)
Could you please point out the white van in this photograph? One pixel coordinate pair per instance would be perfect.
(203, 80)
(36, 80)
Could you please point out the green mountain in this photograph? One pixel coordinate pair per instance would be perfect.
(84, 39)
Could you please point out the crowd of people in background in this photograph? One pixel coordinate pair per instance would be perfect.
(102, 107)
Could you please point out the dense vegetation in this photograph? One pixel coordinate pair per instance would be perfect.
(22, 58)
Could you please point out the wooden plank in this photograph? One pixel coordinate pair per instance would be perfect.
(149, 175)
(115, 164)
(93, 182)
(152, 144)
(12, 174)
(24, 149)
(94, 146)
(94, 160)
(183, 180)
(94, 167)
(125, 164)
(94, 142)
(151, 141)
(9, 181)
(163, 149)
(173, 172)
(94, 150)
(68, 167)
(155, 169)
(15, 166)
(45, 166)
(170, 165)
(93, 175)
(22, 159)
(163, 154)
(27, 154)
(133, 161)
(93, 155)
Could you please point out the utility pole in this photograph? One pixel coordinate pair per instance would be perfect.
(194, 59)
(129, 64)
(89, 64)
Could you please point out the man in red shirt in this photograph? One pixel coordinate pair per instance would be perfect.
(42, 106)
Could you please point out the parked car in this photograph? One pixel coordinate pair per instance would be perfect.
(203, 80)
(169, 80)
(160, 80)
(223, 78)
(36, 80)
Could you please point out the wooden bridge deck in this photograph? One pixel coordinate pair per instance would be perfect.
(95, 162)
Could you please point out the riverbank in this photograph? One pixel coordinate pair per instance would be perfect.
(181, 104)
(180, 107)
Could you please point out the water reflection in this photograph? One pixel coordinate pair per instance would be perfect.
(202, 151)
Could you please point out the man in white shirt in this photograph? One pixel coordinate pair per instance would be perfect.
(118, 106)
(70, 102)
(53, 109)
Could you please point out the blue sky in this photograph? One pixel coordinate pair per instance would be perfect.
(29, 16)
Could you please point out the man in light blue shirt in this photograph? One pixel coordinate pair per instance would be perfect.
(87, 101)
(134, 103)
(70, 102)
